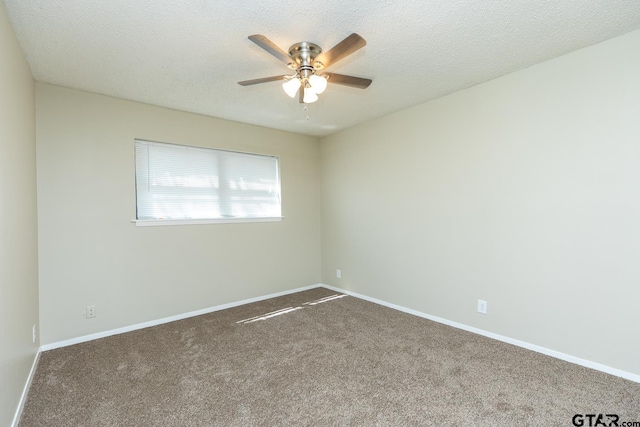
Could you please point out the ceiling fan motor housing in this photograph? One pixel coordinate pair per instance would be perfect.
(304, 55)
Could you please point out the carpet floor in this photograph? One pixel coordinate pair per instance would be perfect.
(315, 358)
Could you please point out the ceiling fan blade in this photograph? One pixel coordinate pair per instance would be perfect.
(262, 80)
(271, 47)
(346, 47)
(341, 79)
(301, 95)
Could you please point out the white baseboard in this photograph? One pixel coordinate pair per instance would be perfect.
(150, 323)
(25, 391)
(523, 344)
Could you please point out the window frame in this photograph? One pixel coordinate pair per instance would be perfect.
(202, 221)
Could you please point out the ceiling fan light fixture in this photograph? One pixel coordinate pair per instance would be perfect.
(291, 87)
(306, 59)
(318, 83)
(309, 95)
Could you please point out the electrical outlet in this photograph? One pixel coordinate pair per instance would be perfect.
(482, 306)
(33, 334)
(339, 274)
(91, 311)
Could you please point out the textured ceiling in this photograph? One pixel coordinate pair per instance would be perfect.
(189, 54)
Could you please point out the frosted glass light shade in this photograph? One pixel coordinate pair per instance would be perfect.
(291, 87)
(309, 95)
(318, 83)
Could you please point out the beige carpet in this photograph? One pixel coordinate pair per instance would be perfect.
(320, 362)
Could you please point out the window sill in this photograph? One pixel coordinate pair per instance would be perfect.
(165, 222)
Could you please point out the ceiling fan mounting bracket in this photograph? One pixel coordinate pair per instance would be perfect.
(304, 55)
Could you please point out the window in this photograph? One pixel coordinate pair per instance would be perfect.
(177, 184)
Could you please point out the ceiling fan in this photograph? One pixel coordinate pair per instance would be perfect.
(307, 59)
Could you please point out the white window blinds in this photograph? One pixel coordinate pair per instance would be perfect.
(177, 182)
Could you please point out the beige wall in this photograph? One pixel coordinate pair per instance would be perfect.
(523, 191)
(91, 253)
(18, 225)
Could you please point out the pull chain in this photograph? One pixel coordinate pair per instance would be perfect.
(306, 111)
